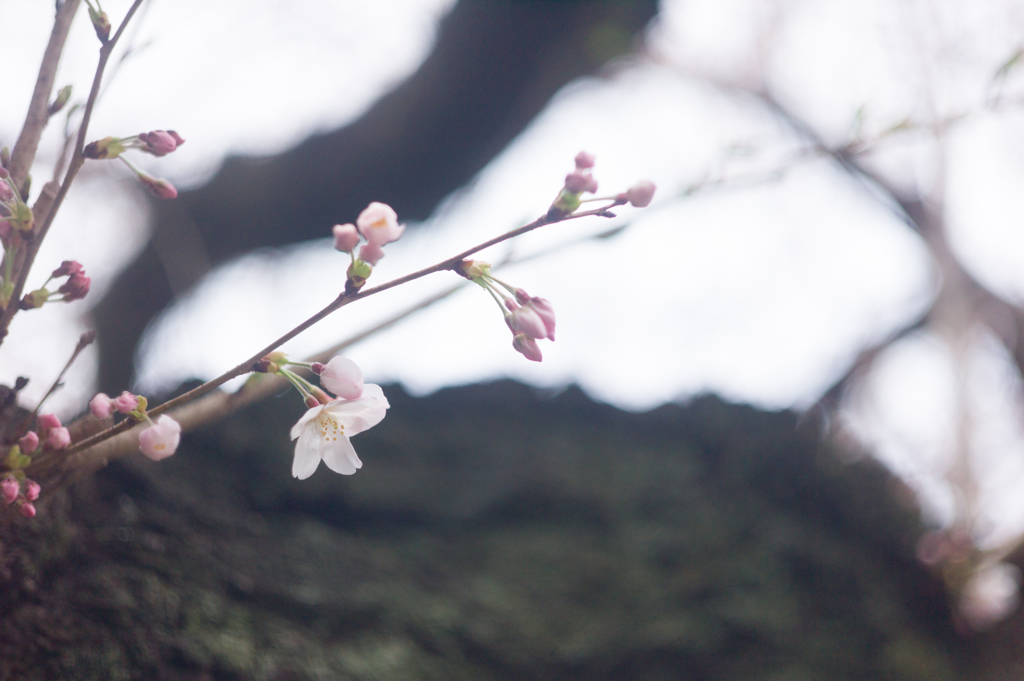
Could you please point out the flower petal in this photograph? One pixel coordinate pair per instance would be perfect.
(307, 453)
(340, 456)
(311, 414)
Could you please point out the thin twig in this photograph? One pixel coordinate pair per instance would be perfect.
(84, 341)
(45, 217)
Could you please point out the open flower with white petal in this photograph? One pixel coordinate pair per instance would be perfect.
(323, 432)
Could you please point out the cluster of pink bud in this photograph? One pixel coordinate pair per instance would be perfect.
(158, 441)
(12, 492)
(581, 181)
(75, 288)
(378, 225)
(51, 433)
(155, 142)
(530, 318)
(103, 407)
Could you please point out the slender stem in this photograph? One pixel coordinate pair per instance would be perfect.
(77, 161)
(84, 341)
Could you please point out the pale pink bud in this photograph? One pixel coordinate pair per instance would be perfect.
(161, 189)
(526, 320)
(371, 253)
(641, 193)
(316, 367)
(32, 490)
(161, 439)
(990, 595)
(29, 442)
(159, 142)
(126, 402)
(378, 223)
(6, 193)
(346, 237)
(47, 422)
(76, 287)
(342, 377)
(176, 137)
(546, 312)
(9, 489)
(58, 438)
(522, 297)
(584, 160)
(67, 268)
(577, 183)
(101, 406)
(27, 509)
(527, 347)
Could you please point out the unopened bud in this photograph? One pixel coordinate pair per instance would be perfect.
(527, 346)
(32, 490)
(311, 402)
(101, 24)
(67, 268)
(346, 237)
(76, 287)
(317, 367)
(29, 442)
(160, 142)
(27, 509)
(6, 192)
(62, 99)
(161, 189)
(584, 160)
(106, 148)
(641, 193)
(371, 253)
(10, 490)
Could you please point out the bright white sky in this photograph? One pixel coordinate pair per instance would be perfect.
(762, 294)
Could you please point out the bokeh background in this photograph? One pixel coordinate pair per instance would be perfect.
(835, 179)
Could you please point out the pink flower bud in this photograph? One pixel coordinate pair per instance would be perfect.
(577, 183)
(32, 490)
(58, 438)
(159, 142)
(317, 367)
(371, 253)
(68, 268)
(6, 193)
(378, 223)
(311, 402)
(527, 347)
(584, 160)
(29, 442)
(342, 377)
(75, 288)
(9, 489)
(641, 193)
(101, 406)
(161, 439)
(176, 137)
(522, 297)
(47, 422)
(526, 320)
(346, 237)
(546, 312)
(161, 189)
(126, 402)
(27, 509)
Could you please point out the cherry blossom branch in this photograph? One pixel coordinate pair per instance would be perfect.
(49, 202)
(343, 299)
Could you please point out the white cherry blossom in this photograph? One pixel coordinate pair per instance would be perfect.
(323, 432)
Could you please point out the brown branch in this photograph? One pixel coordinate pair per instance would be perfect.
(24, 153)
(46, 208)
